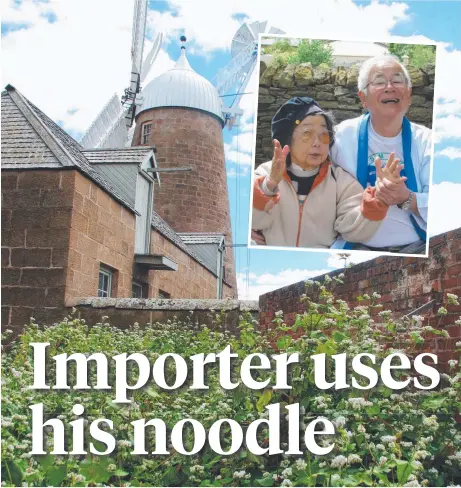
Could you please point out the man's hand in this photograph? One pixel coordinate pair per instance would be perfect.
(390, 186)
(258, 237)
(278, 165)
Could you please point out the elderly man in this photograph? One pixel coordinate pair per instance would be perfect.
(385, 91)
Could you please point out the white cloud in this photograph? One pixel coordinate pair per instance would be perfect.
(232, 173)
(263, 283)
(447, 128)
(77, 62)
(450, 152)
(356, 257)
(444, 200)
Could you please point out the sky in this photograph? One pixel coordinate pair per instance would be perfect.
(70, 56)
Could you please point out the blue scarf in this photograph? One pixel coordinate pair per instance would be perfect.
(366, 173)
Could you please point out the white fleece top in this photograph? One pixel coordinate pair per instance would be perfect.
(396, 229)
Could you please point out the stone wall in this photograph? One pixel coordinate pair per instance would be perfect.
(124, 313)
(102, 232)
(36, 215)
(334, 89)
(404, 283)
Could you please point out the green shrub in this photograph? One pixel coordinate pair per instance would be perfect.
(383, 438)
(308, 51)
(419, 55)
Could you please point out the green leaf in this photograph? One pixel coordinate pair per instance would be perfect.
(339, 336)
(433, 402)
(264, 399)
(11, 472)
(268, 481)
(283, 342)
(56, 474)
(120, 472)
(374, 410)
(404, 469)
(46, 461)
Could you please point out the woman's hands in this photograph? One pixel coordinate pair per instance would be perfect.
(390, 186)
(278, 165)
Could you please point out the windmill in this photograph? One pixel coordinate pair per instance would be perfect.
(113, 127)
(233, 79)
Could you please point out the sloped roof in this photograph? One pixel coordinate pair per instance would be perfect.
(206, 246)
(163, 228)
(21, 144)
(199, 238)
(132, 155)
(51, 145)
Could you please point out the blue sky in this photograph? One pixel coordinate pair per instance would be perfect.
(69, 63)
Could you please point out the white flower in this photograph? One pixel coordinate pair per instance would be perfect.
(300, 464)
(340, 421)
(412, 483)
(382, 460)
(452, 363)
(239, 474)
(357, 403)
(388, 438)
(286, 482)
(338, 461)
(353, 458)
(286, 473)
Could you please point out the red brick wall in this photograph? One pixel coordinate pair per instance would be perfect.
(405, 283)
(36, 215)
(195, 201)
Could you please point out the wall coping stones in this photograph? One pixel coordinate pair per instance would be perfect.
(166, 304)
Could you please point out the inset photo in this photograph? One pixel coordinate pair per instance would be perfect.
(343, 146)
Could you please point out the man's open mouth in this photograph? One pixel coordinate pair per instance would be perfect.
(391, 100)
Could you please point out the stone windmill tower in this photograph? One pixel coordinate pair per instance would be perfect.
(182, 115)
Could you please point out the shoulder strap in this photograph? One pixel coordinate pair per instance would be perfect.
(362, 154)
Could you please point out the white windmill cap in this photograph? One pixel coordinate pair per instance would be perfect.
(181, 86)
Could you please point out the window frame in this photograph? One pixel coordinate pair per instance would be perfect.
(145, 135)
(135, 283)
(110, 275)
(167, 296)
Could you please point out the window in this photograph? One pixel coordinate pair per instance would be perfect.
(163, 294)
(145, 134)
(105, 282)
(136, 290)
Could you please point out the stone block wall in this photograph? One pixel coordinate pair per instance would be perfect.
(335, 89)
(36, 216)
(102, 232)
(404, 283)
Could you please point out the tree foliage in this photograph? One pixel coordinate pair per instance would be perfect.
(419, 55)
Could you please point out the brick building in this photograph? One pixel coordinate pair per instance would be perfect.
(80, 223)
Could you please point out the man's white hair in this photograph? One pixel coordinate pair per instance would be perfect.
(371, 63)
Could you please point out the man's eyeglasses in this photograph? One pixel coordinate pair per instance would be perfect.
(380, 82)
(309, 135)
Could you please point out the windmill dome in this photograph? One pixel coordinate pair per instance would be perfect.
(179, 87)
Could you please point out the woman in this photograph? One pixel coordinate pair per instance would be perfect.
(299, 198)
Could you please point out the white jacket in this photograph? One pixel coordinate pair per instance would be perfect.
(336, 204)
